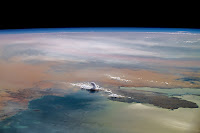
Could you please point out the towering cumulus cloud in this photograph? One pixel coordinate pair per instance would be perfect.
(108, 81)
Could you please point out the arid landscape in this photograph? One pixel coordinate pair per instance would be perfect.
(38, 65)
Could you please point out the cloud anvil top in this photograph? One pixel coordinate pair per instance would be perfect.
(99, 79)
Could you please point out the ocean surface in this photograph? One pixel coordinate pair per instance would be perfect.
(50, 62)
(55, 114)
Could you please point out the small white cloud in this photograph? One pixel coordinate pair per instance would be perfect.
(118, 78)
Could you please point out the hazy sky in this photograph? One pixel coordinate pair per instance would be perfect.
(107, 47)
(55, 59)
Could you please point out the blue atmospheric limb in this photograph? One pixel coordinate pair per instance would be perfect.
(98, 29)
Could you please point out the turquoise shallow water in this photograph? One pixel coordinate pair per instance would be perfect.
(54, 114)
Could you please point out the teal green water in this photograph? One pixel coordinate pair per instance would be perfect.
(169, 92)
(54, 114)
(84, 112)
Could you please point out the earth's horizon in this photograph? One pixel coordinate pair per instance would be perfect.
(100, 80)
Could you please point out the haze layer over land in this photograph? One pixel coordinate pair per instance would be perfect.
(33, 65)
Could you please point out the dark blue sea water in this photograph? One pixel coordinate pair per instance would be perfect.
(54, 114)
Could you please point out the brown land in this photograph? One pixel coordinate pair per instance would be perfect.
(17, 76)
(157, 99)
